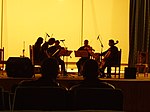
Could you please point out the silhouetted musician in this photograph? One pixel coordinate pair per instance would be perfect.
(45, 47)
(55, 52)
(110, 58)
(86, 50)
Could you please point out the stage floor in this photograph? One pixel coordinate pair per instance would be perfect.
(72, 73)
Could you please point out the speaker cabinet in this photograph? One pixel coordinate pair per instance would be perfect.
(19, 67)
(130, 73)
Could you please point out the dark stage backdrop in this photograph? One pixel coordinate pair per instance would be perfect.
(139, 35)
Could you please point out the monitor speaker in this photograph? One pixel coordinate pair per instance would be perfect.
(19, 67)
(130, 73)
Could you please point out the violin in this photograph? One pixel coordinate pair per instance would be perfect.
(90, 50)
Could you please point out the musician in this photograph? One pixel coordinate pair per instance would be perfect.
(54, 52)
(45, 46)
(38, 50)
(81, 61)
(110, 58)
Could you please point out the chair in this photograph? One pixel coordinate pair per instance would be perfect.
(35, 63)
(2, 62)
(7, 100)
(39, 98)
(97, 99)
(2, 106)
(4, 100)
(117, 66)
(142, 63)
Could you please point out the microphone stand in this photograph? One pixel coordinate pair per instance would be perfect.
(23, 49)
(63, 56)
(46, 36)
(63, 44)
(101, 47)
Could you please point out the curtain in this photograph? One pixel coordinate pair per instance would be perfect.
(139, 29)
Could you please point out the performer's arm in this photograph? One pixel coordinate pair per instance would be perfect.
(103, 53)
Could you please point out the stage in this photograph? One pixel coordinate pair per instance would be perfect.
(136, 92)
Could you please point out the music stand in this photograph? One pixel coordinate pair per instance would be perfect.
(81, 53)
(64, 52)
(67, 53)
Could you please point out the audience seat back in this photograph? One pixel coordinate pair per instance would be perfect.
(97, 99)
(39, 98)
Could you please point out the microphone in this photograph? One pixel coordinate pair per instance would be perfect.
(47, 34)
(62, 40)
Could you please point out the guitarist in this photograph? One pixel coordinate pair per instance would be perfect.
(110, 57)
